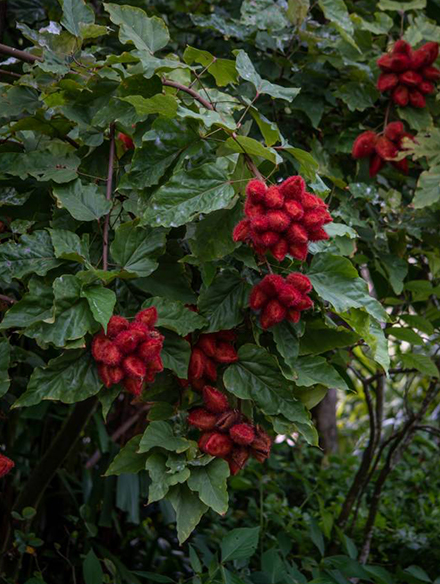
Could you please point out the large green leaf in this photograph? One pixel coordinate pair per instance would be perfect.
(188, 193)
(5, 351)
(422, 363)
(319, 338)
(84, 202)
(35, 306)
(209, 482)
(75, 14)
(162, 477)
(176, 354)
(314, 370)
(428, 188)
(101, 302)
(70, 378)
(160, 434)
(164, 105)
(240, 544)
(246, 145)
(175, 316)
(68, 246)
(370, 330)
(223, 70)
(189, 510)
(211, 239)
(128, 459)
(43, 165)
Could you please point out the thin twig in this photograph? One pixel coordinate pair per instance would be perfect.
(11, 73)
(20, 55)
(189, 91)
(109, 194)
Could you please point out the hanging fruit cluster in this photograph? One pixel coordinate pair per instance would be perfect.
(383, 148)
(129, 352)
(282, 219)
(408, 74)
(280, 299)
(226, 433)
(6, 465)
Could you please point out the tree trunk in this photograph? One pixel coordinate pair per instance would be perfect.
(325, 417)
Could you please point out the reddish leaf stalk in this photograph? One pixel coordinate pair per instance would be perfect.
(109, 194)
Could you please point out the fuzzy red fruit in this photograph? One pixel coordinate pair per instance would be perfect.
(316, 218)
(300, 281)
(401, 165)
(279, 250)
(227, 420)
(105, 374)
(419, 58)
(364, 145)
(133, 386)
(402, 46)
(318, 234)
(242, 434)
(387, 81)
(426, 87)
(270, 284)
(238, 458)
(294, 209)
(134, 367)
(218, 445)
(385, 63)
(293, 187)
(310, 202)
(273, 198)
(304, 303)
(278, 220)
(198, 384)
(376, 164)
(204, 439)
(261, 445)
(128, 340)
(432, 49)
(257, 298)
(400, 96)
(260, 223)
(115, 325)
(148, 316)
(394, 130)
(417, 99)
(299, 250)
(293, 315)
(150, 349)
(289, 295)
(210, 369)
(394, 63)
(105, 351)
(401, 143)
(6, 465)
(126, 140)
(208, 344)
(225, 353)
(143, 330)
(410, 78)
(156, 365)
(255, 190)
(252, 209)
(431, 73)
(385, 148)
(241, 230)
(269, 238)
(297, 234)
(273, 313)
(202, 419)
(233, 467)
(197, 364)
(215, 401)
(229, 336)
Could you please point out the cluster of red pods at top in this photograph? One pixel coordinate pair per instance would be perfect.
(130, 351)
(6, 465)
(226, 433)
(282, 218)
(383, 148)
(408, 74)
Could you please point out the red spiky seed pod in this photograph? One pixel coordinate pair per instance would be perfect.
(105, 351)
(270, 284)
(197, 364)
(289, 295)
(148, 316)
(210, 369)
(299, 281)
(310, 202)
(116, 324)
(241, 231)
(401, 165)
(293, 187)
(400, 62)
(364, 145)
(227, 420)
(432, 49)
(387, 81)
(260, 223)
(297, 233)
(133, 386)
(257, 298)
(204, 439)
(316, 218)
(386, 149)
(400, 96)
(385, 63)
(417, 99)
(229, 336)
(126, 140)
(202, 419)
(419, 58)
(256, 190)
(237, 459)
(108, 375)
(198, 384)
(278, 220)
(431, 73)
(6, 465)
(151, 348)
(261, 445)
(410, 78)
(269, 238)
(143, 330)
(134, 367)
(273, 198)
(273, 313)
(376, 164)
(293, 315)
(394, 130)
(215, 401)
(402, 46)
(156, 364)
(401, 143)
(242, 434)
(218, 445)
(304, 303)
(225, 353)
(280, 250)
(294, 209)
(299, 251)
(318, 234)
(127, 341)
(426, 87)
(252, 209)
(208, 344)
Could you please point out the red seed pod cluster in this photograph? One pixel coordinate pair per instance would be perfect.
(282, 219)
(210, 351)
(126, 140)
(226, 433)
(6, 465)
(129, 352)
(281, 299)
(408, 74)
(382, 148)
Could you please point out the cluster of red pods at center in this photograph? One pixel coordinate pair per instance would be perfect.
(226, 433)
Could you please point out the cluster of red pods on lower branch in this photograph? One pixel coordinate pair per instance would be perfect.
(382, 149)
(129, 352)
(226, 433)
(281, 299)
(6, 465)
(408, 73)
(282, 219)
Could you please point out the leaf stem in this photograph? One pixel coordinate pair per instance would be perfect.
(109, 194)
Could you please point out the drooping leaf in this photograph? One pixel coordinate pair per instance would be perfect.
(101, 302)
(162, 477)
(240, 544)
(84, 202)
(128, 459)
(161, 434)
(5, 351)
(35, 306)
(189, 510)
(176, 354)
(75, 14)
(209, 482)
(175, 316)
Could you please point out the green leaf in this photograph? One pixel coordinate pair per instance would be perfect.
(176, 354)
(35, 306)
(136, 248)
(422, 363)
(128, 459)
(223, 70)
(162, 477)
(161, 411)
(70, 378)
(164, 105)
(68, 246)
(287, 342)
(223, 302)
(319, 338)
(418, 119)
(175, 316)
(189, 510)
(397, 269)
(269, 130)
(84, 202)
(92, 570)
(160, 434)
(428, 188)
(240, 544)
(75, 14)
(418, 573)
(357, 96)
(5, 351)
(313, 370)
(43, 165)
(370, 330)
(418, 322)
(246, 145)
(210, 483)
(211, 238)
(33, 254)
(256, 376)
(405, 334)
(336, 11)
(147, 34)
(101, 302)
(297, 11)
(402, 6)
(188, 193)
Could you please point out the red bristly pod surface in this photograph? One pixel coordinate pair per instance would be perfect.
(6, 465)
(126, 140)
(129, 352)
(281, 299)
(282, 219)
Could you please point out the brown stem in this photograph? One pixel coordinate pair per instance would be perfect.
(109, 194)
(11, 73)
(189, 91)
(20, 55)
